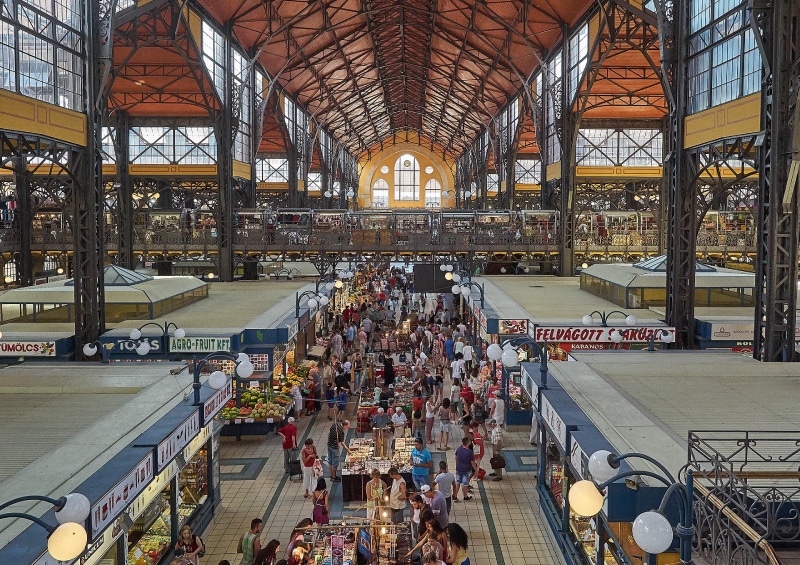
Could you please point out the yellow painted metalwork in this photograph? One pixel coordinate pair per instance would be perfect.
(24, 114)
(553, 171)
(619, 172)
(173, 170)
(738, 117)
(241, 170)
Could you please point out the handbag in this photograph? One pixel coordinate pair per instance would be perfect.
(317, 468)
(498, 462)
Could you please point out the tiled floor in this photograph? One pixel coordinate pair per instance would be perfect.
(502, 520)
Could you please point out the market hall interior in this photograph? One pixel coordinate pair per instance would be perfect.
(638, 404)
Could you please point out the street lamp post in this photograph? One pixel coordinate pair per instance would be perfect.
(665, 335)
(143, 348)
(588, 319)
(314, 299)
(218, 379)
(509, 357)
(68, 540)
(652, 531)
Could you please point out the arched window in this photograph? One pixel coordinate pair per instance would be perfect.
(433, 194)
(406, 179)
(380, 194)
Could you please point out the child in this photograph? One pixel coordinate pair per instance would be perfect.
(341, 402)
(330, 396)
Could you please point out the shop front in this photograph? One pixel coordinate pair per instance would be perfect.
(366, 455)
(23, 346)
(567, 438)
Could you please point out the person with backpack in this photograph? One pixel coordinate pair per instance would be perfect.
(191, 545)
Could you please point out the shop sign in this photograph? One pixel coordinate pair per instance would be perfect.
(178, 439)
(554, 422)
(585, 334)
(199, 344)
(729, 332)
(483, 322)
(116, 500)
(126, 345)
(513, 327)
(337, 550)
(28, 348)
(530, 387)
(98, 549)
(364, 541)
(576, 457)
(214, 404)
(153, 490)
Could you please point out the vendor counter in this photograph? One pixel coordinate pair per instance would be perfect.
(359, 464)
(363, 544)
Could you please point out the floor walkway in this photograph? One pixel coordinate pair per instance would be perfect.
(502, 520)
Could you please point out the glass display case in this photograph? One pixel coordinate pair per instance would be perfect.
(192, 486)
(149, 538)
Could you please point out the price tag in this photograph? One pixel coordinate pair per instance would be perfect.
(254, 385)
(237, 421)
(270, 420)
(249, 420)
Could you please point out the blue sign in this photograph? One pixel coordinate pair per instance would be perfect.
(364, 540)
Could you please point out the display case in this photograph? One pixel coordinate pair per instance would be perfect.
(149, 538)
(192, 487)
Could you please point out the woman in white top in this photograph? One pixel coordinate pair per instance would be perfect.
(430, 414)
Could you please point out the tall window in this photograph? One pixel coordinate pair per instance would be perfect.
(724, 61)
(578, 54)
(554, 83)
(406, 179)
(433, 194)
(596, 147)
(214, 57)
(380, 194)
(492, 183)
(42, 50)
(314, 182)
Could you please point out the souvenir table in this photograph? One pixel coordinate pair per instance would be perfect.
(359, 464)
(360, 544)
(368, 407)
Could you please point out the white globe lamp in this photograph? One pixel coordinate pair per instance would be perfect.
(242, 358)
(600, 467)
(465, 291)
(67, 542)
(616, 336)
(456, 277)
(312, 302)
(143, 348)
(630, 320)
(449, 276)
(76, 509)
(587, 320)
(652, 532)
(323, 300)
(135, 333)
(89, 349)
(494, 352)
(510, 358)
(668, 337)
(245, 369)
(179, 333)
(585, 499)
(217, 380)
(456, 289)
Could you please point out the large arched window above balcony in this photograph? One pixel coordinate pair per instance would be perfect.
(433, 194)
(406, 179)
(380, 194)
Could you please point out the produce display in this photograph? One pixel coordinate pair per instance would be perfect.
(362, 458)
(253, 404)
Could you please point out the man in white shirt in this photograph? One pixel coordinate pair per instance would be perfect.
(498, 411)
(467, 353)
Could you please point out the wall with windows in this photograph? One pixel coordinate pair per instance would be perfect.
(406, 176)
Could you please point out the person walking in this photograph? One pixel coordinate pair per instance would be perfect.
(308, 456)
(430, 415)
(289, 435)
(422, 463)
(444, 482)
(250, 543)
(269, 554)
(397, 495)
(438, 504)
(496, 438)
(465, 466)
(336, 437)
(498, 411)
(321, 503)
(444, 425)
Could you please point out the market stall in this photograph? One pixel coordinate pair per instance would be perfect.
(362, 460)
(362, 544)
(368, 405)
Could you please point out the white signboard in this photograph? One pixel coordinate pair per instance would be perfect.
(721, 331)
(214, 404)
(199, 344)
(117, 499)
(576, 457)
(554, 422)
(178, 439)
(598, 334)
(28, 348)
